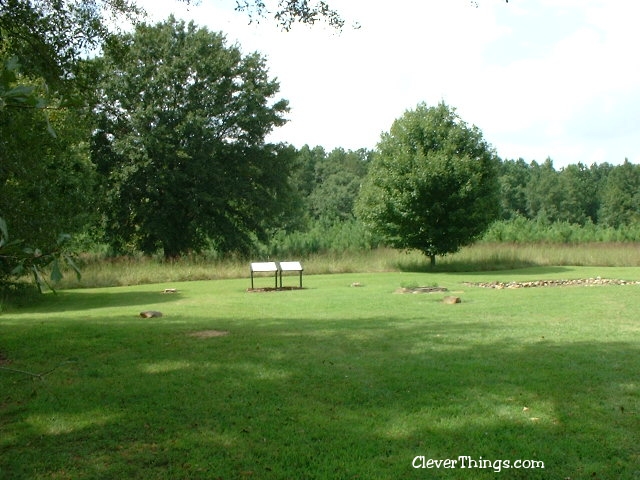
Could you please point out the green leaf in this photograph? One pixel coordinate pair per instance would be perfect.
(50, 129)
(72, 264)
(18, 270)
(39, 279)
(4, 231)
(56, 273)
(21, 93)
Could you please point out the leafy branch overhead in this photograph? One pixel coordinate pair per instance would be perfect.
(288, 12)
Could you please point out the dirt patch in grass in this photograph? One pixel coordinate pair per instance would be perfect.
(421, 290)
(4, 360)
(209, 333)
(272, 289)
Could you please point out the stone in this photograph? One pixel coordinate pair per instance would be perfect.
(585, 282)
(451, 300)
(150, 314)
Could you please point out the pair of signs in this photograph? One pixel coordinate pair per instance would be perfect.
(277, 268)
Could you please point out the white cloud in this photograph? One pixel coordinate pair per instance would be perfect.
(552, 78)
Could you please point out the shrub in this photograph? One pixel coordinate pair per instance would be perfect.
(522, 230)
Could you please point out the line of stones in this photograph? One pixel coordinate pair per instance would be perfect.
(585, 282)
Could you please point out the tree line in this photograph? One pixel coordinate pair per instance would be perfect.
(158, 144)
(531, 195)
(601, 194)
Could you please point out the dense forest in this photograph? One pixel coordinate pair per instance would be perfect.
(539, 203)
(600, 194)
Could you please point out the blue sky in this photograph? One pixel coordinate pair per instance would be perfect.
(540, 78)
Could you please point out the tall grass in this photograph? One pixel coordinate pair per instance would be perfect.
(492, 256)
(347, 247)
(100, 272)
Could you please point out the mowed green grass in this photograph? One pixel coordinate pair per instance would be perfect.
(328, 382)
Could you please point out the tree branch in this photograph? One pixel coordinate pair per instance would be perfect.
(37, 375)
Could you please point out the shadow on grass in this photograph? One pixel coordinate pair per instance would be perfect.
(535, 272)
(471, 267)
(342, 401)
(483, 264)
(74, 300)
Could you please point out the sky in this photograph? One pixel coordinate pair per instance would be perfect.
(541, 79)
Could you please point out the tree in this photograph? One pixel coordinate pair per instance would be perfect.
(18, 259)
(581, 203)
(328, 183)
(545, 193)
(337, 182)
(181, 142)
(433, 183)
(514, 177)
(568, 195)
(45, 172)
(620, 202)
(304, 175)
(45, 179)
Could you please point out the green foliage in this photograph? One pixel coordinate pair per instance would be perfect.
(329, 183)
(620, 203)
(574, 194)
(18, 260)
(304, 172)
(321, 237)
(288, 13)
(432, 185)
(565, 196)
(514, 178)
(523, 230)
(181, 143)
(580, 203)
(49, 36)
(14, 94)
(45, 173)
(45, 180)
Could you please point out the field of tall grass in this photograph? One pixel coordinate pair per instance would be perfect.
(121, 271)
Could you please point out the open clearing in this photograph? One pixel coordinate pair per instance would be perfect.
(326, 382)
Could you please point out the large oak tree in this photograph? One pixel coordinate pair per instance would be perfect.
(181, 142)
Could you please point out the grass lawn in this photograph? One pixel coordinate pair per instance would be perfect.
(328, 382)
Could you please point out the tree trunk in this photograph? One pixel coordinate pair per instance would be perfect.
(171, 252)
(433, 261)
